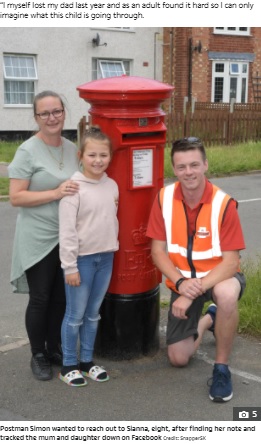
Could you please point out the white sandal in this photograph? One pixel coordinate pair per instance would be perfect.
(71, 377)
(95, 372)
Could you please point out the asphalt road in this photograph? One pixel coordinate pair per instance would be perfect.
(146, 389)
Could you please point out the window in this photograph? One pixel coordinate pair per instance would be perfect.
(234, 68)
(232, 31)
(109, 68)
(230, 80)
(19, 79)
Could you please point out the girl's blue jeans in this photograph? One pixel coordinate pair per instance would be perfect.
(83, 305)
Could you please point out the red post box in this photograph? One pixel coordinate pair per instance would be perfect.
(128, 109)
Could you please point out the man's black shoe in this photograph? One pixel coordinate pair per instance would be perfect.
(41, 367)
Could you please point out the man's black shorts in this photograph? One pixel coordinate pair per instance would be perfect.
(179, 329)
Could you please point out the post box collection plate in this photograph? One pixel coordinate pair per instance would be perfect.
(142, 167)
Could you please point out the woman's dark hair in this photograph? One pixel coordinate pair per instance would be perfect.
(94, 133)
(44, 94)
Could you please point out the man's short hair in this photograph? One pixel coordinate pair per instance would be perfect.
(187, 144)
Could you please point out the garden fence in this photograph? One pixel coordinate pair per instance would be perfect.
(217, 124)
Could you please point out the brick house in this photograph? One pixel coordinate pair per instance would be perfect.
(213, 64)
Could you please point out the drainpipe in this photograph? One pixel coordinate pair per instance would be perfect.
(190, 71)
(155, 52)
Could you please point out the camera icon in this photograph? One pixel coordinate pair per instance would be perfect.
(243, 414)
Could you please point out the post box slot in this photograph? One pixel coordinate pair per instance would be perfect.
(149, 136)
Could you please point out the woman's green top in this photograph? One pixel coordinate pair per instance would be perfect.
(37, 229)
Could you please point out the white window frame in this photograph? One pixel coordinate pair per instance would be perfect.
(99, 71)
(118, 64)
(229, 74)
(236, 31)
(19, 80)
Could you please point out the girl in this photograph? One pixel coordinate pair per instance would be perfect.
(88, 239)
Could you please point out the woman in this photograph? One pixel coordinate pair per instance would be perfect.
(39, 177)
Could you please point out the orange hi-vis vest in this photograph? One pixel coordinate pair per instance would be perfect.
(195, 255)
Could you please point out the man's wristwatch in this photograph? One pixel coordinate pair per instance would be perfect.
(179, 282)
